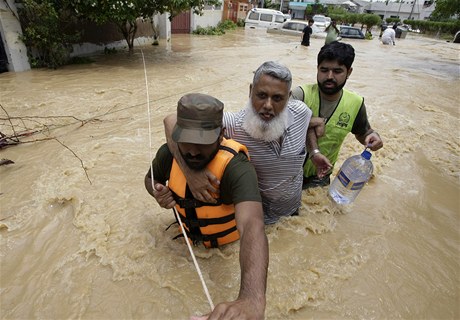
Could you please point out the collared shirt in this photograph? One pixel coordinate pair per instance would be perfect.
(279, 167)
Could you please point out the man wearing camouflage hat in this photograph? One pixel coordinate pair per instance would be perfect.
(237, 213)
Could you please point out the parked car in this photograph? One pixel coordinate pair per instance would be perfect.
(351, 32)
(321, 22)
(295, 28)
(263, 18)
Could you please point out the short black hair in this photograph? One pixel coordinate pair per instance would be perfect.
(342, 52)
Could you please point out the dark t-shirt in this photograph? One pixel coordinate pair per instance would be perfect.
(307, 30)
(238, 183)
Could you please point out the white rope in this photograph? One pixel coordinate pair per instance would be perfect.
(205, 288)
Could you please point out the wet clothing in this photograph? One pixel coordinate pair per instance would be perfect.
(307, 31)
(388, 36)
(348, 115)
(278, 165)
(238, 184)
(332, 34)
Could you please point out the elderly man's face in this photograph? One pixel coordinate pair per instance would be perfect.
(269, 97)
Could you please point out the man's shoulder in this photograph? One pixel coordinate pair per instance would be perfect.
(230, 118)
(351, 93)
(164, 150)
(298, 107)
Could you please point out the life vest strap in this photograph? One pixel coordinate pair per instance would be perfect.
(212, 238)
(191, 223)
(187, 203)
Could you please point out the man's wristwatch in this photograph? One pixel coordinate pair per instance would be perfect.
(313, 152)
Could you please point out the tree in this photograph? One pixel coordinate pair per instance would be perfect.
(47, 32)
(370, 20)
(124, 13)
(446, 9)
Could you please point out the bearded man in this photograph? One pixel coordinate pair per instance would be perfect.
(273, 127)
(342, 111)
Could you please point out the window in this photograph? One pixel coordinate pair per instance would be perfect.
(299, 26)
(289, 26)
(279, 19)
(254, 16)
(266, 17)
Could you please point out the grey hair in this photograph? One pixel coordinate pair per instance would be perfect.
(275, 70)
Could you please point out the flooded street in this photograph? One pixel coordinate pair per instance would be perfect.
(82, 239)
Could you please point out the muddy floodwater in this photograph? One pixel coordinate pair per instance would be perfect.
(82, 239)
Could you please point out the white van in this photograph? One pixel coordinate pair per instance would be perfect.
(263, 18)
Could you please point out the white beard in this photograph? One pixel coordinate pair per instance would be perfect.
(264, 130)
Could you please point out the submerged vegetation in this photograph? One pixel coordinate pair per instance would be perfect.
(216, 31)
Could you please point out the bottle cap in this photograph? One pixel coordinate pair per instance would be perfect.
(366, 155)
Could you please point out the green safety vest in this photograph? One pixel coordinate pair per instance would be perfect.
(337, 126)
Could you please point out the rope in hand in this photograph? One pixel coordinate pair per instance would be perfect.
(205, 288)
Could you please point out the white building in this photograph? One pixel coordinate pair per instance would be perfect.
(404, 9)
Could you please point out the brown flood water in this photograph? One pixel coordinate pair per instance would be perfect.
(71, 249)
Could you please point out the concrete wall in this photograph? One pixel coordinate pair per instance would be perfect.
(210, 18)
(10, 30)
(96, 38)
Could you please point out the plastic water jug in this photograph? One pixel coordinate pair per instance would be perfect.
(352, 177)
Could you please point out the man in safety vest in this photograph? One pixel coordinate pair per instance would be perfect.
(342, 111)
(237, 212)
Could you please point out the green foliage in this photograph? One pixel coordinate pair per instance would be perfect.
(209, 31)
(271, 5)
(392, 20)
(426, 26)
(45, 32)
(219, 30)
(227, 25)
(316, 8)
(124, 13)
(446, 9)
(240, 22)
(370, 20)
(333, 10)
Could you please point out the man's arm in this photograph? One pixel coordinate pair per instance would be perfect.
(251, 300)
(201, 183)
(160, 192)
(363, 131)
(321, 162)
(370, 139)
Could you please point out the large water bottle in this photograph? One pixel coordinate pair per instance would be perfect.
(352, 177)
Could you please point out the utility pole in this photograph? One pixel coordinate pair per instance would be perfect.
(399, 10)
(412, 10)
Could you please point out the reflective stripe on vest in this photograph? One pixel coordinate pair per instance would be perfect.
(214, 225)
(337, 127)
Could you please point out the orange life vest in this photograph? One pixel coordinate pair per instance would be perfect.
(212, 224)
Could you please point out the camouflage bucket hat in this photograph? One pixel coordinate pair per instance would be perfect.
(199, 119)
